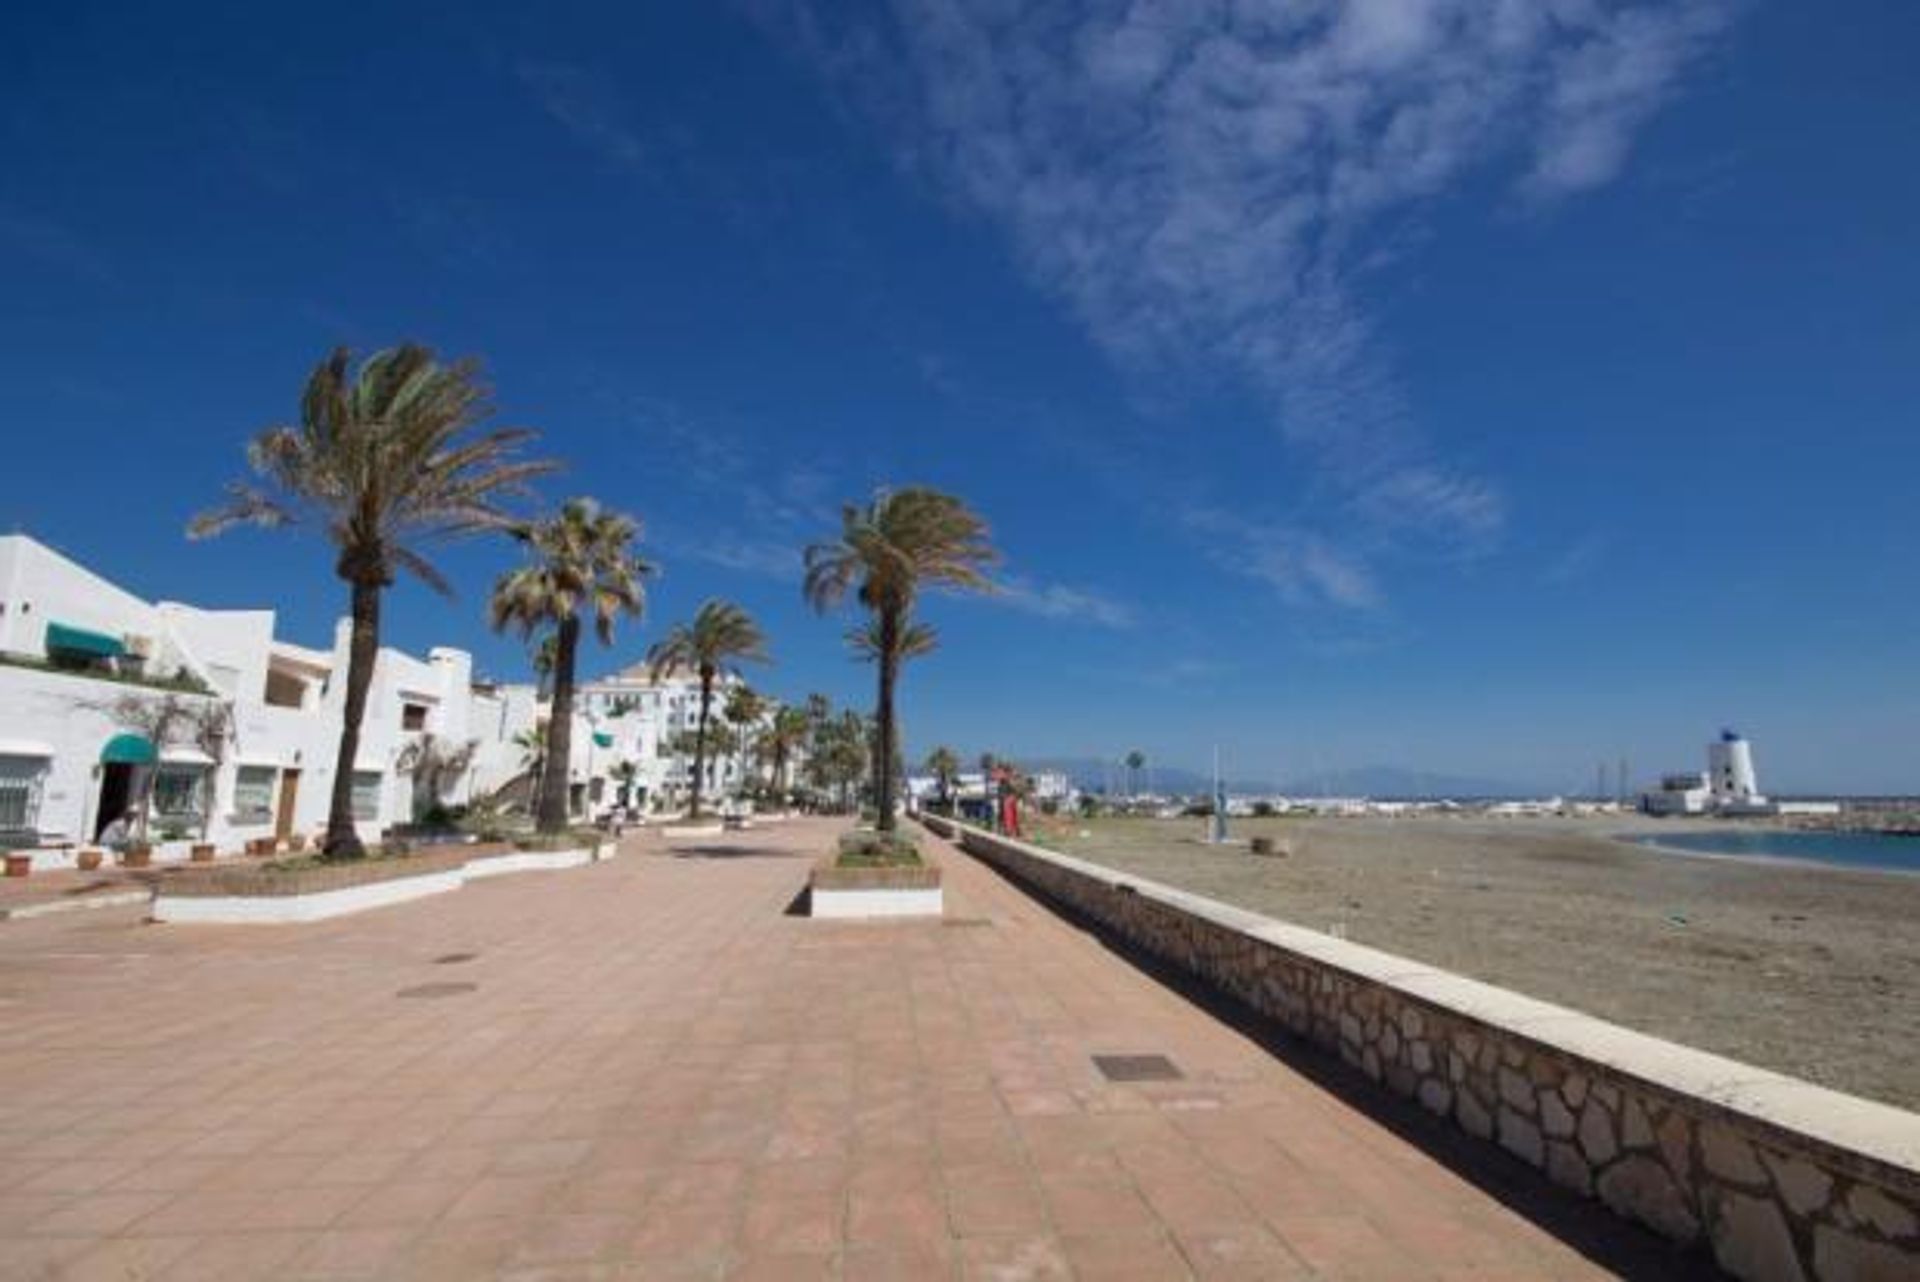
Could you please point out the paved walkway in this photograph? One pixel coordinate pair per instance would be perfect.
(644, 1069)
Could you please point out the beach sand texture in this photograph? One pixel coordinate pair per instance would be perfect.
(1809, 971)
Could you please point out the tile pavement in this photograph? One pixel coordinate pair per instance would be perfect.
(660, 1074)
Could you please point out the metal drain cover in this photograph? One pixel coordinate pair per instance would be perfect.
(454, 959)
(1137, 1068)
(436, 990)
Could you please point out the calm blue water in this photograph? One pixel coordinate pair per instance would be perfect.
(1844, 849)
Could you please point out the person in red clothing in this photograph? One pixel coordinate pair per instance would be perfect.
(1009, 800)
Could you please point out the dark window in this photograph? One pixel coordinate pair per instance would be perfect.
(413, 716)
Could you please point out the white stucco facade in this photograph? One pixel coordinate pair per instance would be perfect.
(86, 667)
(644, 720)
(269, 770)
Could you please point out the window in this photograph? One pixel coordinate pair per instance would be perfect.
(253, 794)
(20, 784)
(413, 716)
(366, 795)
(285, 690)
(178, 792)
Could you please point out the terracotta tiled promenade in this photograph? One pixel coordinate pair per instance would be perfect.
(645, 1069)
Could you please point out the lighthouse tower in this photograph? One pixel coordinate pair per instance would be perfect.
(1730, 773)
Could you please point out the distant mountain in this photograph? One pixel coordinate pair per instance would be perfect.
(1091, 775)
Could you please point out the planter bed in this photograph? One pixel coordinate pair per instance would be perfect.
(265, 895)
(511, 861)
(851, 894)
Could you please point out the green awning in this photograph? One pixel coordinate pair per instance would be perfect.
(128, 750)
(62, 639)
(603, 740)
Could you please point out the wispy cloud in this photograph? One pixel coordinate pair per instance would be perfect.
(1304, 567)
(587, 105)
(1580, 559)
(766, 558)
(1060, 601)
(1209, 185)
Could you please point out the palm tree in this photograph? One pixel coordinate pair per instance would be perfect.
(849, 755)
(744, 709)
(721, 637)
(788, 730)
(867, 641)
(582, 560)
(901, 542)
(384, 459)
(944, 765)
(1135, 760)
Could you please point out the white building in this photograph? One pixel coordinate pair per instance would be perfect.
(1730, 773)
(644, 724)
(1729, 785)
(230, 732)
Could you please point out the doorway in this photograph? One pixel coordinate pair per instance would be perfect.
(283, 815)
(117, 794)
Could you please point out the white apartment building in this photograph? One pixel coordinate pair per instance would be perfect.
(230, 732)
(639, 722)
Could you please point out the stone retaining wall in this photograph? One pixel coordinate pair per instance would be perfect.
(1778, 1178)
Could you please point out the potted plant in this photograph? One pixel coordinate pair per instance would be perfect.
(202, 852)
(296, 843)
(90, 859)
(138, 854)
(19, 865)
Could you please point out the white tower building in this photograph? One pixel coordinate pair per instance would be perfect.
(1730, 773)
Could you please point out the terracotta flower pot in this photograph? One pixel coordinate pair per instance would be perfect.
(19, 865)
(296, 843)
(88, 860)
(137, 857)
(202, 853)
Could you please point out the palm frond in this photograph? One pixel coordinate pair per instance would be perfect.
(385, 457)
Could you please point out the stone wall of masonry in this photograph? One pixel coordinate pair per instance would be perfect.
(1777, 1178)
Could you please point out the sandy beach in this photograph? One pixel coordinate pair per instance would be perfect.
(1806, 970)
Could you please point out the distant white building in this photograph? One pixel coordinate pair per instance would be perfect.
(1053, 786)
(1728, 786)
(643, 724)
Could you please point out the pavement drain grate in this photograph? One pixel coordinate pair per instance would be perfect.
(1137, 1068)
(454, 959)
(436, 990)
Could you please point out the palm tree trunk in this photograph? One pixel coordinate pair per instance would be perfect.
(883, 767)
(363, 650)
(700, 742)
(555, 775)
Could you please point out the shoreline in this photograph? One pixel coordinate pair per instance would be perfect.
(1654, 842)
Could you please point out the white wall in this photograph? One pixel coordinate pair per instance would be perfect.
(42, 587)
(234, 651)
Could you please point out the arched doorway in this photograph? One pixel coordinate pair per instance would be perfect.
(126, 770)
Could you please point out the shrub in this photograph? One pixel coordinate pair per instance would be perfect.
(571, 840)
(867, 848)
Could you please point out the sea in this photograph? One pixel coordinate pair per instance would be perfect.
(1877, 851)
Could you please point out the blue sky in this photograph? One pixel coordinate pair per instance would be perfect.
(1479, 387)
